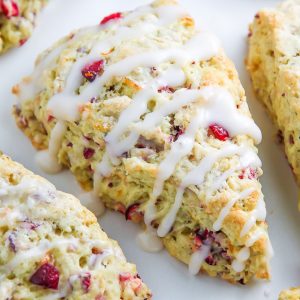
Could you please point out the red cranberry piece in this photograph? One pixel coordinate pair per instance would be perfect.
(22, 42)
(88, 153)
(124, 276)
(90, 71)
(133, 214)
(177, 131)
(218, 132)
(11, 242)
(50, 118)
(120, 208)
(251, 174)
(86, 281)
(47, 276)
(113, 16)
(197, 242)
(210, 260)
(167, 89)
(9, 8)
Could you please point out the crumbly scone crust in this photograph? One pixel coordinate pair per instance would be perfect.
(274, 65)
(14, 31)
(132, 181)
(33, 214)
(291, 294)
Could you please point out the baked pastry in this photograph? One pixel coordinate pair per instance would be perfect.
(274, 65)
(291, 294)
(53, 248)
(17, 20)
(149, 113)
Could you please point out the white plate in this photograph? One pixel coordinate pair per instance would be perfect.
(168, 278)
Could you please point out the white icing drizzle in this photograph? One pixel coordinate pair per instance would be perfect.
(202, 46)
(37, 252)
(91, 202)
(197, 259)
(247, 159)
(238, 263)
(258, 214)
(226, 209)
(31, 86)
(149, 241)
(194, 177)
(47, 159)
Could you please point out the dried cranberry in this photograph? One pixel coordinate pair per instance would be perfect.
(9, 8)
(132, 213)
(120, 208)
(50, 118)
(86, 281)
(124, 276)
(210, 260)
(218, 132)
(167, 89)
(11, 241)
(90, 71)
(88, 153)
(47, 276)
(176, 132)
(27, 224)
(22, 42)
(197, 242)
(252, 174)
(113, 16)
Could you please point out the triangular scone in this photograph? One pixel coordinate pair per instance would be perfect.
(149, 113)
(53, 248)
(17, 20)
(274, 65)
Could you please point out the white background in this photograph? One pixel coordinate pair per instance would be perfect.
(168, 278)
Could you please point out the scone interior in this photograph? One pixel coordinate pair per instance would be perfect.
(53, 248)
(274, 65)
(17, 20)
(149, 114)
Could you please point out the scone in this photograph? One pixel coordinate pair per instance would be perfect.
(274, 65)
(53, 248)
(17, 20)
(149, 113)
(292, 294)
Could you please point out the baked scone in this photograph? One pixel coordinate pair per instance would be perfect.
(274, 65)
(53, 248)
(291, 294)
(17, 20)
(149, 113)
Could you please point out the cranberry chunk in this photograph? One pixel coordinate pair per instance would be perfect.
(218, 132)
(167, 89)
(111, 17)
(86, 281)
(88, 153)
(47, 276)
(9, 8)
(250, 173)
(124, 276)
(91, 71)
(133, 214)
(22, 42)
(176, 132)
